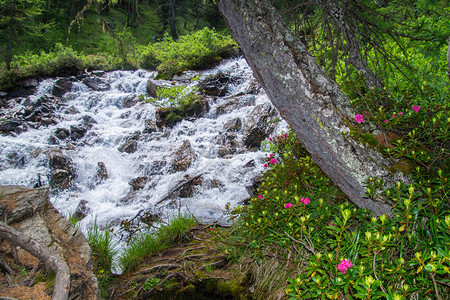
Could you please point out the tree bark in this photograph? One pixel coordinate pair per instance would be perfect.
(172, 20)
(53, 262)
(12, 26)
(313, 105)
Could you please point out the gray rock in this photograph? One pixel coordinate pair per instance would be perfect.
(49, 228)
(224, 151)
(183, 157)
(77, 132)
(96, 83)
(151, 88)
(233, 125)
(139, 182)
(62, 171)
(150, 126)
(62, 86)
(102, 173)
(259, 125)
(215, 85)
(130, 101)
(128, 147)
(82, 209)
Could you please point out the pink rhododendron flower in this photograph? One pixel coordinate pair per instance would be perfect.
(332, 224)
(211, 228)
(400, 114)
(273, 161)
(416, 108)
(288, 205)
(265, 165)
(359, 118)
(385, 121)
(393, 116)
(344, 265)
(271, 155)
(305, 200)
(260, 197)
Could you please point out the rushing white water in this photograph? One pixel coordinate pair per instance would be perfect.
(23, 157)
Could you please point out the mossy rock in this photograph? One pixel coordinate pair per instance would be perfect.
(170, 116)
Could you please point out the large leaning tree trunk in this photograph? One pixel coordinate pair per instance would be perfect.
(313, 104)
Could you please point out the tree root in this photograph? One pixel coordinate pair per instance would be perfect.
(51, 261)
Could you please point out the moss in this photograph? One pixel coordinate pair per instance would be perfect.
(234, 288)
(401, 166)
(369, 139)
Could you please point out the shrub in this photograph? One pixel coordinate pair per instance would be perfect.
(192, 51)
(340, 250)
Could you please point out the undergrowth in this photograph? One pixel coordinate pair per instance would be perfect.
(147, 243)
(335, 250)
(191, 51)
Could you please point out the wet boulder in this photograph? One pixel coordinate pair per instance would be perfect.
(82, 210)
(130, 144)
(150, 126)
(12, 126)
(183, 157)
(231, 141)
(224, 152)
(130, 101)
(253, 87)
(170, 116)
(233, 125)
(62, 133)
(23, 88)
(61, 87)
(252, 189)
(128, 147)
(102, 173)
(88, 121)
(97, 84)
(187, 186)
(234, 103)
(153, 168)
(139, 183)
(215, 85)
(40, 112)
(77, 132)
(259, 125)
(62, 171)
(151, 88)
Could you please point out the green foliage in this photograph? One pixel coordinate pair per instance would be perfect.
(299, 214)
(150, 283)
(61, 60)
(191, 51)
(103, 251)
(174, 96)
(73, 219)
(124, 52)
(149, 243)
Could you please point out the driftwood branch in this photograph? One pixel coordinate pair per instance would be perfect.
(51, 261)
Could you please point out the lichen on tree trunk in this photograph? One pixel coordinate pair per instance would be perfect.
(313, 104)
